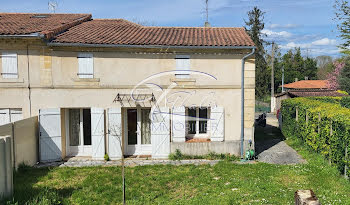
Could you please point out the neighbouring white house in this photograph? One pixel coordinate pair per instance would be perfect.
(110, 86)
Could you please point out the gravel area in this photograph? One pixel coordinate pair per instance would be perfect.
(128, 162)
(275, 150)
(280, 153)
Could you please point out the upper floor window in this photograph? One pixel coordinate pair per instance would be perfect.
(9, 65)
(182, 66)
(86, 65)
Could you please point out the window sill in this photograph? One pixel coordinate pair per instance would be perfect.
(194, 140)
(86, 79)
(11, 80)
(193, 80)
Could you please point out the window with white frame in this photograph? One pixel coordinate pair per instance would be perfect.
(197, 120)
(8, 115)
(86, 65)
(182, 66)
(9, 65)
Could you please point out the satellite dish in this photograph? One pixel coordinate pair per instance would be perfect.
(52, 6)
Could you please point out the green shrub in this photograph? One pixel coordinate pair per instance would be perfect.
(23, 167)
(106, 157)
(322, 125)
(335, 100)
(177, 155)
(343, 92)
(345, 102)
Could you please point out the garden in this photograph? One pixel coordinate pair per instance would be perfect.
(228, 182)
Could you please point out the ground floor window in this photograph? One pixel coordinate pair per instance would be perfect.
(197, 120)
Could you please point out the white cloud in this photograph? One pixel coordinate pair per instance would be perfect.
(317, 43)
(325, 42)
(276, 26)
(324, 46)
(273, 34)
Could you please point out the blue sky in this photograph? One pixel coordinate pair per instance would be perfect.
(307, 24)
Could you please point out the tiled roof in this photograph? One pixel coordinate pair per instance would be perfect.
(310, 93)
(122, 32)
(307, 84)
(45, 24)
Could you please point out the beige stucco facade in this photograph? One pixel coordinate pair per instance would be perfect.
(48, 79)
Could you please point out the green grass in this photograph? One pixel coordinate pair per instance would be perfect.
(224, 183)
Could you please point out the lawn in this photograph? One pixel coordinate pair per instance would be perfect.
(224, 183)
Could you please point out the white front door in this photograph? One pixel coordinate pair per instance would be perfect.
(79, 132)
(138, 131)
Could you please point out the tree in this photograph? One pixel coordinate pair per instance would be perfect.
(343, 16)
(294, 65)
(333, 77)
(310, 68)
(115, 130)
(324, 66)
(344, 77)
(255, 25)
(277, 67)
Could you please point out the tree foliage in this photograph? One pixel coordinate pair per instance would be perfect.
(343, 16)
(344, 78)
(255, 25)
(333, 77)
(294, 65)
(324, 66)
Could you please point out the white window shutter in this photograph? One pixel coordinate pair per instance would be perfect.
(9, 65)
(15, 115)
(217, 121)
(160, 132)
(182, 66)
(115, 133)
(179, 124)
(86, 65)
(4, 116)
(97, 133)
(50, 135)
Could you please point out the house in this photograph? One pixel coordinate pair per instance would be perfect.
(305, 88)
(110, 86)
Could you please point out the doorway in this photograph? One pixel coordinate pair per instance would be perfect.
(78, 132)
(138, 131)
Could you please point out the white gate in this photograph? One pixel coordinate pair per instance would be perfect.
(50, 135)
(179, 124)
(115, 133)
(160, 132)
(217, 119)
(97, 133)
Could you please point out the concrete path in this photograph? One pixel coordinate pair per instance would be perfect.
(271, 148)
(86, 162)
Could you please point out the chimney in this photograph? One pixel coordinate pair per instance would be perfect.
(306, 78)
(296, 80)
(207, 24)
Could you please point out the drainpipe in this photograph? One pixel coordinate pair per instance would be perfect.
(28, 78)
(242, 102)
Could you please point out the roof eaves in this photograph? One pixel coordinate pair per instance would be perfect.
(59, 44)
(30, 35)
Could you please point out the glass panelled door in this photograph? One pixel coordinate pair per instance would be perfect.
(79, 132)
(138, 125)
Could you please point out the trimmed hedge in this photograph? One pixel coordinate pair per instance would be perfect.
(345, 102)
(335, 100)
(322, 125)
